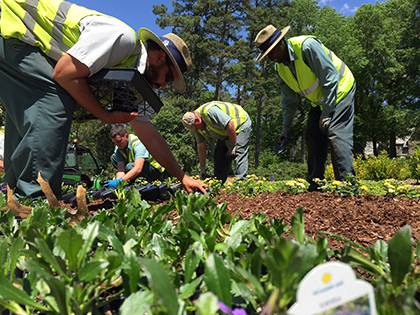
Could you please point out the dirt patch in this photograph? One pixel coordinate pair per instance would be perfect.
(363, 219)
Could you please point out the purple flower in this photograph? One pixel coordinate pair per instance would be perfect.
(224, 308)
(239, 311)
(227, 310)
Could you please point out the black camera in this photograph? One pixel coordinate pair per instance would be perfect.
(122, 89)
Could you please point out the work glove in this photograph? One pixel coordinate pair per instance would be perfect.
(281, 145)
(324, 124)
(112, 183)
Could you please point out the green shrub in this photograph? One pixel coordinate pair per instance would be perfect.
(271, 166)
(382, 167)
(414, 163)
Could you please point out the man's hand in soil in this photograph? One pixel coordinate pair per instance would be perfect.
(113, 183)
(191, 184)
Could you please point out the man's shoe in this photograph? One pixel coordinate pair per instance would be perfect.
(314, 187)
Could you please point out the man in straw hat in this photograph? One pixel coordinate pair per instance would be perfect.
(48, 49)
(229, 126)
(309, 69)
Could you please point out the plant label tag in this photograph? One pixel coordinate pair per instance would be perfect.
(333, 289)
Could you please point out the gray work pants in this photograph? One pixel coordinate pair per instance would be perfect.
(223, 164)
(340, 137)
(38, 118)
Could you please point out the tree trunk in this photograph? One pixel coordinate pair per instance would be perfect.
(302, 149)
(392, 150)
(375, 147)
(238, 95)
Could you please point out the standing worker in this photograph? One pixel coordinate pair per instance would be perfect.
(229, 126)
(131, 158)
(309, 69)
(48, 49)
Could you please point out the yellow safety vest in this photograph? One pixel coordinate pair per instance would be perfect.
(132, 142)
(306, 83)
(51, 25)
(237, 114)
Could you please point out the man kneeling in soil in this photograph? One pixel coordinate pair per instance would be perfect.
(131, 158)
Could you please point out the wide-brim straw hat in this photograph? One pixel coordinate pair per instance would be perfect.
(178, 53)
(268, 38)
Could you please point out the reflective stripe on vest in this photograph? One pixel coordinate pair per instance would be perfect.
(236, 113)
(132, 142)
(306, 83)
(51, 25)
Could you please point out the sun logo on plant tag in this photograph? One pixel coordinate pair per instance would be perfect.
(326, 278)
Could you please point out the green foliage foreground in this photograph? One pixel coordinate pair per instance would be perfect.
(181, 258)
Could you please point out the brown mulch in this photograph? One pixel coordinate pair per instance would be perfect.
(363, 219)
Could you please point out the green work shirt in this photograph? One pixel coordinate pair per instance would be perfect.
(322, 66)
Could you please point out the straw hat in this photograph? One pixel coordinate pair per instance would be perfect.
(176, 49)
(268, 38)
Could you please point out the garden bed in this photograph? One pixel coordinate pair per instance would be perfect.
(363, 219)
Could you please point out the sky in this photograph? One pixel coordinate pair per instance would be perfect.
(138, 13)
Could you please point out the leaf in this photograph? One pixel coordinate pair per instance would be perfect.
(132, 270)
(134, 197)
(137, 303)
(12, 306)
(34, 266)
(400, 255)
(236, 233)
(191, 262)
(252, 282)
(9, 292)
(298, 225)
(354, 256)
(217, 278)
(4, 250)
(58, 290)
(270, 306)
(92, 269)
(70, 242)
(15, 252)
(107, 234)
(162, 285)
(49, 257)
(89, 235)
(263, 231)
(207, 304)
(187, 290)
(418, 251)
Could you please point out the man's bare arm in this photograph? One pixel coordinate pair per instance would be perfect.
(72, 75)
(231, 133)
(159, 149)
(135, 171)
